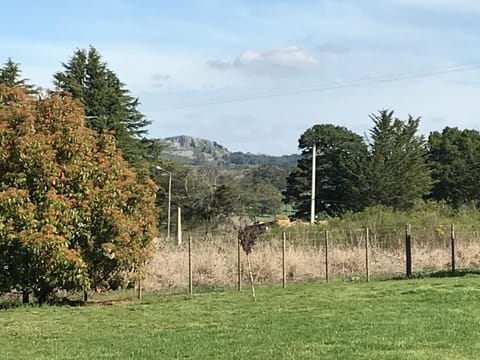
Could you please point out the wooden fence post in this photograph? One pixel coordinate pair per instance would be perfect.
(239, 267)
(190, 275)
(408, 250)
(367, 264)
(326, 256)
(284, 275)
(452, 240)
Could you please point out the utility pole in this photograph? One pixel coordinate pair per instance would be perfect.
(169, 211)
(314, 162)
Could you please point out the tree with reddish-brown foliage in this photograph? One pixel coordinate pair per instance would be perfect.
(73, 215)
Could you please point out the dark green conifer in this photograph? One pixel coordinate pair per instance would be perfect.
(109, 107)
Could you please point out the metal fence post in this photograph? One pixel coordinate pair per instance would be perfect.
(239, 267)
(452, 239)
(408, 250)
(367, 263)
(326, 256)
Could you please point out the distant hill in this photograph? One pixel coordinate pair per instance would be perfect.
(195, 151)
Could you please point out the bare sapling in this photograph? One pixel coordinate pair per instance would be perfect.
(247, 236)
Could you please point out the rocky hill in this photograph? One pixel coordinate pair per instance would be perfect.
(196, 151)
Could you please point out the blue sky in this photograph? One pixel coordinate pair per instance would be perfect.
(253, 75)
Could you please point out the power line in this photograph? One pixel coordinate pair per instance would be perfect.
(330, 86)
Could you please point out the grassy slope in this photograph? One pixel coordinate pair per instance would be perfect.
(414, 319)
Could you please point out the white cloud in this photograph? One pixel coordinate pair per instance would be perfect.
(282, 62)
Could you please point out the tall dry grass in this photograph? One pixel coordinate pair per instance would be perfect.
(214, 260)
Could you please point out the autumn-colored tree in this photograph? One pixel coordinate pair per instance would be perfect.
(73, 215)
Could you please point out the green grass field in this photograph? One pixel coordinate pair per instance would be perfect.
(403, 319)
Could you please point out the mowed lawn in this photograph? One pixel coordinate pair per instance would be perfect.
(403, 319)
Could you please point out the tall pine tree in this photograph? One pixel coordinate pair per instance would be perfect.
(10, 75)
(397, 170)
(109, 107)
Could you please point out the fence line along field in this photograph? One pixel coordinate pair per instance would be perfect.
(344, 254)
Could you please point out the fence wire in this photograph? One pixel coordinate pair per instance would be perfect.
(310, 254)
(317, 255)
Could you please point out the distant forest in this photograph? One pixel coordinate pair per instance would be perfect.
(283, 162)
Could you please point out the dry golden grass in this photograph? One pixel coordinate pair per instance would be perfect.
(214, 261)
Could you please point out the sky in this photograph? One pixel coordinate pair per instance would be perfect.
(253, 75)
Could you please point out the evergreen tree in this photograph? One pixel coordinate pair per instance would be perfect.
(397, 170)
(109, 107)
(454, 156)
(339, 161)
(390, 170)
(10, 75)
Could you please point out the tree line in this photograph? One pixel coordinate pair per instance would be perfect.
(393, 166)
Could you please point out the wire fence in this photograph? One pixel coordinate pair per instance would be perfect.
(205, 261)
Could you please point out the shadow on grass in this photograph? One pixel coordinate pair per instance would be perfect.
(457, 273)
(12, 304)
(64, 301)
(439, 274)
